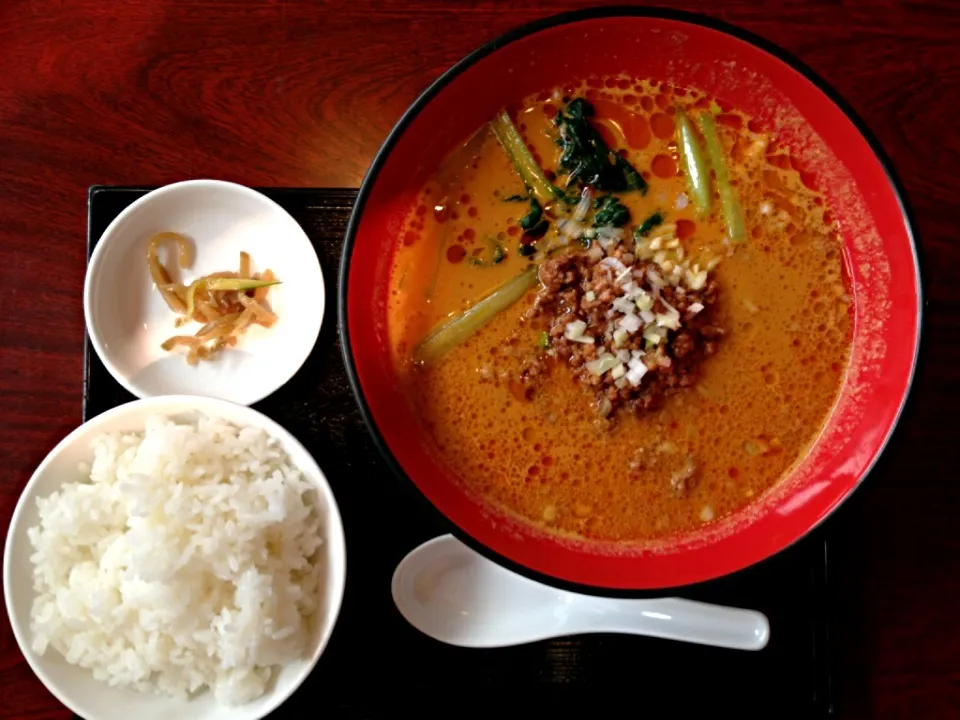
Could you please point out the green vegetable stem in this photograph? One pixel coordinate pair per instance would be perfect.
(509, 137)
(462, 325)
(694, 165)
(729, 203)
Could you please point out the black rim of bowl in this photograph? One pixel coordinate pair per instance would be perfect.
(427, 95)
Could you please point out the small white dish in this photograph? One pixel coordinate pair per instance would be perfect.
(74, 686)
(127, 319)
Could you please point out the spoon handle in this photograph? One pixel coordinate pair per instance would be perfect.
(680, 619)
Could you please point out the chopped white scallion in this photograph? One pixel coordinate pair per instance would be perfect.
(696, 280)
(654, 335)
(615, 264)
(695, 308)
(645, 302)
(574, 331)
(569, 229)
(632, 290)
(624, 306)
(623, 355)
(636, 372)
(601, 365)
(604, 407)
(643, 250)
(583, 207)
(667, 230)
(609, 237)
(669, 321)
(590, 296)
(620, 336)
(610, 232)
(630, 323)
(648, 317)
(618, 372)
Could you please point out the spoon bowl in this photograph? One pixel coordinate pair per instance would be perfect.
(457, 596)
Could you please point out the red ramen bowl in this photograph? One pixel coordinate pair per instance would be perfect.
(684, 50)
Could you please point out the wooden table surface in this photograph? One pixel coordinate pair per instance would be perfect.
(302, 94)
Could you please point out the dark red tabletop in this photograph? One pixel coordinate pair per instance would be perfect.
(275, 93)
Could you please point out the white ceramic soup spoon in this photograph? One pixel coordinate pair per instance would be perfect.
(457, 596)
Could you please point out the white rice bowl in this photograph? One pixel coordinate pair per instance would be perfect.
(186, 565)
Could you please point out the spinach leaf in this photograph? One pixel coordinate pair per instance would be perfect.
(494, 255)
(609, 211)
(527, 250)
(649, 224)
(532, 218)
(585, 156)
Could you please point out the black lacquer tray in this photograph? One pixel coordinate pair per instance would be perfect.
(377, 666)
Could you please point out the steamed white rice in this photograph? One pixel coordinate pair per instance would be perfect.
(189, 559)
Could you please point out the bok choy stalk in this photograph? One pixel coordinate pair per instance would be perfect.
(540, 188)
(729, 203)
(694, 165)
(454, 330)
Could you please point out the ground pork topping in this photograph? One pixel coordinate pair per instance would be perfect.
(632, 324)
